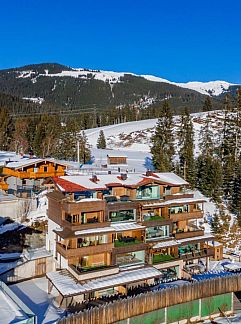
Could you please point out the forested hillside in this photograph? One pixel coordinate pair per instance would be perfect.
(59, 89)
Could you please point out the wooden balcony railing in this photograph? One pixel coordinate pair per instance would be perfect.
(83, 251)
(72, 207)
(92, 273)
(184, 216)
(187, 256)
(193, 233)
(129, 248)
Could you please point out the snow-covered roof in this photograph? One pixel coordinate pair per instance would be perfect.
(29, 161)
(206, 236)
(176, 202)
(121, 155)
(37, 254)
(232, 266)
(11, 312)
(85, 182)
(66, 284)
(7, 197)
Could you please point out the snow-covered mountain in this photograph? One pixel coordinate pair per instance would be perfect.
(211, 88)
(52, 87)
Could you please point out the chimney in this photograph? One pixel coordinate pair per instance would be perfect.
(123, 176)
(149, 173)
(94, 178)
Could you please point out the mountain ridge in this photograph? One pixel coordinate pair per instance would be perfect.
(72, 89)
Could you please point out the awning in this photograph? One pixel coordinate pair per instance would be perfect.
(96, 230)
(177, 202)
(126, 227)
(67, 285)
(167, 244)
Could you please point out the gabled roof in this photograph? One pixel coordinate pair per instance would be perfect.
(28, 161)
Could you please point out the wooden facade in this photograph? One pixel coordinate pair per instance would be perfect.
(39, 169)
(112, 160)
(134, 225)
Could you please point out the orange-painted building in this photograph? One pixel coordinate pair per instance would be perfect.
(29, 173)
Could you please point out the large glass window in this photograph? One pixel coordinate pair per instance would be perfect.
(122, 215)
(148, 192)
(130, 258)
(92, 240)
(179, 209)
(157, 232)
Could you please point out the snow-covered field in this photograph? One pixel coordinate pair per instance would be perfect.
(136, 135)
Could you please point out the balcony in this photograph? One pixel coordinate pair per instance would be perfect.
(180, 195)
(161, 258)
(87, 273)
(175, 217)
(92, 205)
(67, 252)
(128, 244)
(189, 233)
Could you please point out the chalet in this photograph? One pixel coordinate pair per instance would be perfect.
(112, 232)
(29, 173)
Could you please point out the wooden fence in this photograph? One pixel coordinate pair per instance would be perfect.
(150, 301)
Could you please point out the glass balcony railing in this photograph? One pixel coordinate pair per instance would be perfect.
(125, 241)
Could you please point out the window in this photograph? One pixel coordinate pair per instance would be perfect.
(45, 169)
(122, 215)
(157, 232)
(148, 192)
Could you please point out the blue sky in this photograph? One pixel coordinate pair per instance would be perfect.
(174, 39)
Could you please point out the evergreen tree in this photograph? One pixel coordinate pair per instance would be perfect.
(186, 148)
(162, 141)
(207, 106)
(208, 165)
(215, 224)
(6, 129)
(84, 148)
(20, 142)
(101, 142)
(236, 196)
(228, 149)
(66, 147)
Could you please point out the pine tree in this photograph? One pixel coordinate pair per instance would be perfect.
(206, 140)
(228, 149)
(236, 196)
(162, 141)
(66, 147)
(20, 142)
(215, 224)
(101, 142)
(6, 129)
(186, 148)
(207, 106)
(84, 148)
(208, 165)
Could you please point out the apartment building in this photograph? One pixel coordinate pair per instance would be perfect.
(110, 232)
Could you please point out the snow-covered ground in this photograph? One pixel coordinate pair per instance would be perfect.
(34, 293)
(136, 135)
